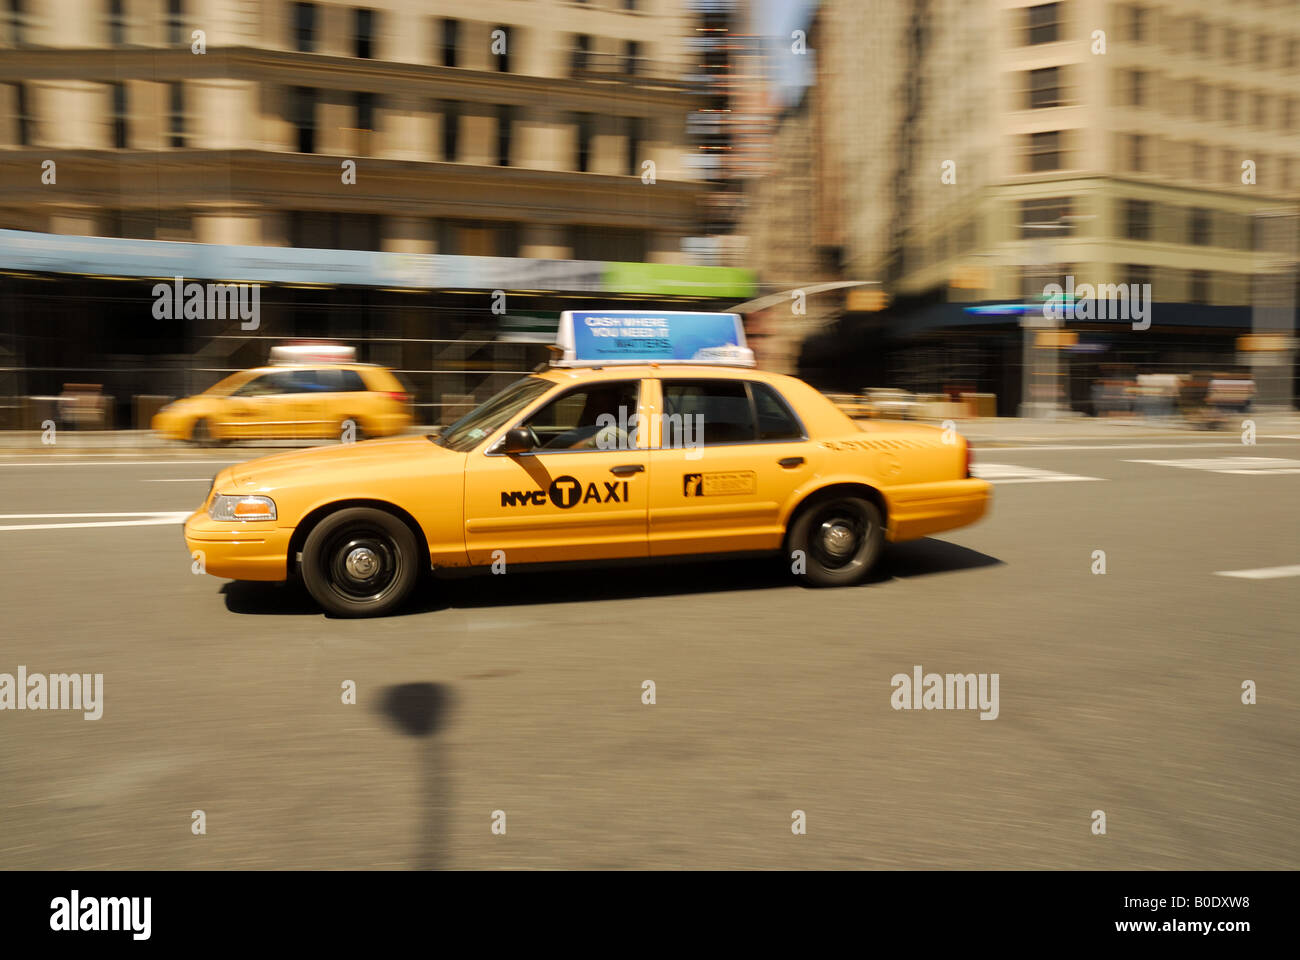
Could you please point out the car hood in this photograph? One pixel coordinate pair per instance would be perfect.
(342, 461)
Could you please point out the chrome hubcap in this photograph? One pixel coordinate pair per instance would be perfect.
(361, 563)
(837, 538)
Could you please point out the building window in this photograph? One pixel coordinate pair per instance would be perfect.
(365, 33)
(1230, 44)
(1199, 286)
(119, 115)
(1137, 20)
(1043, 23)
(1137, 219)
(1045, 217)
(635, 135)
(450, 40)
(584, 131)
(1197, 152)
(1261, 110)
(1200, 37)
(1292, 55)
(609, 243)
(1045, 152)
(22, 118)
(1263, 47)
(1137, 88)
(505, 131)
(1229, 114)
(176, 114)
(1137, 152)
(334, 231)
(17, 23)
(1200, 100)
(1138, 274)
(175, 21)
(304, 27)
(116, 24)
(581, 54)
(632, 58)
(365, 107)
(502, 58)
(1198, 222)
(1045, 89)
(302, 114)
(450, 131)
(478, 238)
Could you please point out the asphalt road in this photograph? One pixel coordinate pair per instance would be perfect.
(1118, 692)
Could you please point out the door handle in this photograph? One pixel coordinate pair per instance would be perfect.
(790, 461)
(623, 469)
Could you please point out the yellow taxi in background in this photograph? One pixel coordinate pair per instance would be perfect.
(314, 392)
(652, 437)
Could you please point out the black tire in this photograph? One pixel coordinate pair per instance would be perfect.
(359, 433)
(841, 538)
(201, 433)
(346, 544)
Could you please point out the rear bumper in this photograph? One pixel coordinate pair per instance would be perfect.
(921, 509)
(257, 550)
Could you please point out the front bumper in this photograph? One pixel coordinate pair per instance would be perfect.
(248, 550)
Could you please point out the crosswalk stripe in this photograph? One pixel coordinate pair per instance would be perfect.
(1262, 573)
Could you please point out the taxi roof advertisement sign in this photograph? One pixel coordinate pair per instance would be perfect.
(591, 338)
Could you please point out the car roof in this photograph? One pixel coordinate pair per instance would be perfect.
(272, 368)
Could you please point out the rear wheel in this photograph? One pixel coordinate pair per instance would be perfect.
(201, 433)
(354, 424)
(360, 562)
(841, 538)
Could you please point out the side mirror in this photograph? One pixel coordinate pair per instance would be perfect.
(517, 440)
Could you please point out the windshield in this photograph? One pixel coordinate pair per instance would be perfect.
(491, 415)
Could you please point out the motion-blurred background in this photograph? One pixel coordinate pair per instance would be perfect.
(958, 155)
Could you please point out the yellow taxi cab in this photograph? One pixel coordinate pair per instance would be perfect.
(651, 436)
(309, 391)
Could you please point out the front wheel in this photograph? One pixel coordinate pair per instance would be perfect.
(360, 562)
(841, 539)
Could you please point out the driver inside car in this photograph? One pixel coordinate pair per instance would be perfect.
(589, 431)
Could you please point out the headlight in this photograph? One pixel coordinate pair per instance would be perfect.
(242, 508)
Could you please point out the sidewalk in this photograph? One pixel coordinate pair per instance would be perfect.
(987, 430)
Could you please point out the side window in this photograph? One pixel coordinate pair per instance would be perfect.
(306, 381)
(597, 417)
(712, 411)
(775, 421)
(340, 381)
(266, 385)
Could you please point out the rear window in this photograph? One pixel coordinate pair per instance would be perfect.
(775, 420)
(720, 408)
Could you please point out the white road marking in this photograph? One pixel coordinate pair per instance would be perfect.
(1241, 466)
(990, 445)
(151, 519)
(119, 463)
(1010, 473)
(181, 480)
(1263, 573)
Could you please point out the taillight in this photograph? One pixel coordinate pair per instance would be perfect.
(399, 397)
